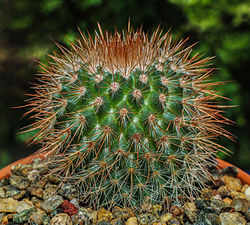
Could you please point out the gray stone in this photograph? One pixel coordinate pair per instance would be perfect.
(223, 191)
(33, 175)
(174, 221)
(2, 192)
(247, 215)
(247, 193)
(212, 218)
(50, 191)
(62, 219)
(1, 216)
(11, 205)
(3, 182)
(146, 218)
(82, 217)
(37, 216)
(52, 203)
(19, 182)
(103, 222)
(201, 204)
(36, 200)
(23, 216)
(190, 211)
(117, 222)
(67, 191)
(232, 219)
(240, 205)
(46, 220)
(123, 213)
(38, 192)
(11, 191)
(218, 205)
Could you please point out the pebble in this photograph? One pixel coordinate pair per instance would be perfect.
(232, 219)
(3, 182)
(82, 217)
(67, 191)
(132, 221)
(19, 182)
(240, 205)
(10, 216)
(247, 193)
(50, 190)
(223, 191)
(244, 187)
(146, 219)
(227, 200)
(166, 217)
(210, 210)
(54, 179)
(103, 222)
(12, 191)
(157, 209)
(206, 193)
(38, 192)
(61, 219)
(23, 216)
(231, 171)
(52, 203)
(37, 216)
(146, 206)
(2, 192)
(218, 205)
(17, 169)
(211, 218)
(11, 205)
(174, 221)
(36, 200)
(1, 216)
(176, 210)
(46, 220)
(200, 204)
(103, 214)
(247, 215)
(237, 194)
(41, 183)
(123, 213)
(233, 184)
(33, 175)
(117, 222)
(190, 211)
(4, 220)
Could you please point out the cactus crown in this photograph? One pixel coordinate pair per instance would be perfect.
(128, 116)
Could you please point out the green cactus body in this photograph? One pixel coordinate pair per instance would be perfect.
(128, 117)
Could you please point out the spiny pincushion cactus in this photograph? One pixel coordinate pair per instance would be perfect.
(128, 117)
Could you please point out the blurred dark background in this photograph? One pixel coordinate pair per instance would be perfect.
(29, 29)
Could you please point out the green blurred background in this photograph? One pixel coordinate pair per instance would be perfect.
(28, 30)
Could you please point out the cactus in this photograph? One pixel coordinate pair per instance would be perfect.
(128, 117)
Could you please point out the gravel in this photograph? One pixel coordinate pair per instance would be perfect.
(30, 197)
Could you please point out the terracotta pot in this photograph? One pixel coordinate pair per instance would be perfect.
(6, 171)
(242, 175)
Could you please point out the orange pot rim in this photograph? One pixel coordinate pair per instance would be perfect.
(242, 175)
(6, 171)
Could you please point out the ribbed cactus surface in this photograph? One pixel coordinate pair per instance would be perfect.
(127, 117)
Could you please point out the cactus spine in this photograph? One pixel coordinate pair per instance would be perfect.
(127, 117)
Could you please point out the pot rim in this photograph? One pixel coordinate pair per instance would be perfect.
(221, 164)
